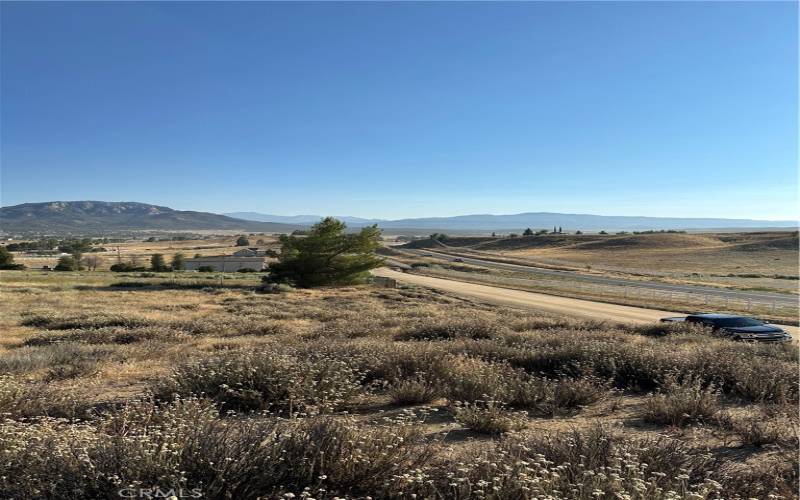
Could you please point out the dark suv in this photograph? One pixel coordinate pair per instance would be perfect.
(737, 327)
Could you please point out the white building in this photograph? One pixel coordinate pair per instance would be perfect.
(226, 263)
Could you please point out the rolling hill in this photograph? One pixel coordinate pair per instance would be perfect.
(58, 217)
(100, 216)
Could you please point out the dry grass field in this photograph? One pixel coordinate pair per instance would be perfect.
(739, 260)
(125, 383)
(140, 250)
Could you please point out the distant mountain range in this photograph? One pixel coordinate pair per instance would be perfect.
(301, 219)
(534, 220)
(59, 217)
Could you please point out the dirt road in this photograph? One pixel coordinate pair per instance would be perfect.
(763, 297)
(578, 308)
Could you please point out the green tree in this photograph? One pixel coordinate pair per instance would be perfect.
(178, 262)
(527, 232)
(6, 257)
(327, 256)
(157, 263)
(66, 263)
(77, 256)
(7, 260)
(241, 241)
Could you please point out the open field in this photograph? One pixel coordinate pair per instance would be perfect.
(356, 391)
(771, 292)
(738, 260)
(138, 250)
(782, 308)
(587, 308)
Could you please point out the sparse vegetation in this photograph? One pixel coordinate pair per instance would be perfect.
(682, 404)
(489, 417)
(363, 391)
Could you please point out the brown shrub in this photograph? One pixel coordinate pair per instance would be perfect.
(265, 381)
(473, 328)
(413, 391)
(682, 404)
(488, 417)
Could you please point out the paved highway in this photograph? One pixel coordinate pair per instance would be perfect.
(763, 297)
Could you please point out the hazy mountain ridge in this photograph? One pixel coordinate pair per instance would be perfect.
(300, 219)
(102, 216)
(539, 220)
(95, 216)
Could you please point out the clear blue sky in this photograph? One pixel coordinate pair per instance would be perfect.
(404, 109)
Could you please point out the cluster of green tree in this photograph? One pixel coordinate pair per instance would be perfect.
(241, 241)
(531, 232)
(67, 246)
(83, 245)
(126, 267)
(439, 237)
(327, 255)
(157, 264)
(7, 260)
(170, 238)
(69, 263)
(26, 246)
(77, 262)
